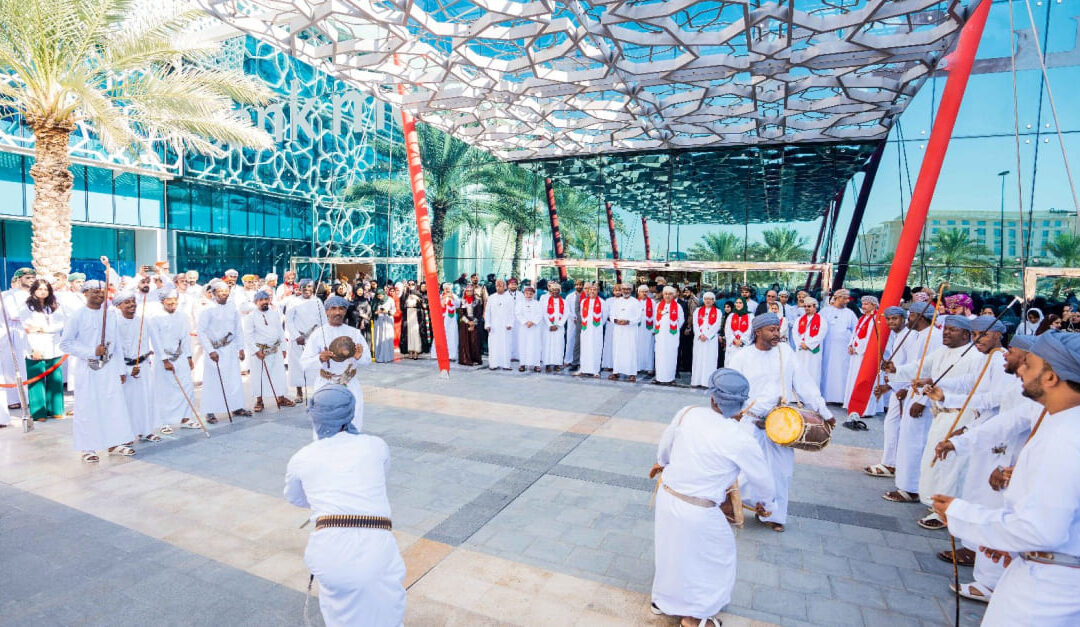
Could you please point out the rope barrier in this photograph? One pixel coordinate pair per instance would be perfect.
(39, 377)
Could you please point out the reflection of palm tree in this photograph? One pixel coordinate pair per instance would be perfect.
(509, 199)
(130, 81)
(717, 246)
(954, 247)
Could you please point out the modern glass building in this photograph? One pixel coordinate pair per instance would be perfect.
(251, 210)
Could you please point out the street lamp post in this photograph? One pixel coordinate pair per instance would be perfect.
(1001, 230)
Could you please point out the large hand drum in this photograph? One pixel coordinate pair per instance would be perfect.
(343, 348)
(797, 427)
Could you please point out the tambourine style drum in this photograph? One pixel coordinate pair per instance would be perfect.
(797, 427)
(343, 348)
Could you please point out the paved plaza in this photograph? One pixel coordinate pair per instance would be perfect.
(517, 499)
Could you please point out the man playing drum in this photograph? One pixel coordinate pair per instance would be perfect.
(770, 368)
(324, 366)
(701, 454)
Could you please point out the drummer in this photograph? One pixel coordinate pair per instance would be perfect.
(323, 367)
(770, 367)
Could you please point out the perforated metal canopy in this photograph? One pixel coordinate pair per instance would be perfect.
(545, 79)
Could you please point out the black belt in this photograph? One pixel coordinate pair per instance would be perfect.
(354, 521)
(139, 360)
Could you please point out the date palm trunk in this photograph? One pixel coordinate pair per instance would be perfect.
(53, 180)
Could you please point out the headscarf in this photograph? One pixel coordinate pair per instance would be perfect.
(959, 300)
(1061, 351)
(921, 308)
(331, 409)
(729, 389)
(261, 295)
(1027, 327)
(21, 272)
(738, 310)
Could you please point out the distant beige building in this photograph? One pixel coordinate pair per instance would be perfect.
(983, 227)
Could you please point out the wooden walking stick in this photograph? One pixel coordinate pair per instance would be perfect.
(930, 330)
(224, 396)
(190, 404)
(138, 343)
(972, 345)
(271, 381)
(967, 400)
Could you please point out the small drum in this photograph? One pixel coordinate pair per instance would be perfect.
(797, 427)
(343, 348)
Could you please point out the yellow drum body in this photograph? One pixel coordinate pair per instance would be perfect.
(797, 427)
(784, 425)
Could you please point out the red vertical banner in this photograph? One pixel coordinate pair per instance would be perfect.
(959, 66)
(556, 234)
(645, 233)
(423, 228)
(614, 244)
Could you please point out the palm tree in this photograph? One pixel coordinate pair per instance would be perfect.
(783, 244)
(132, 81)
(452, 171)
(1065, 247)
(955, 248)
(717, 246)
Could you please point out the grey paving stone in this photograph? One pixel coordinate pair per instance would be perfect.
(550, 550)
(590, 560)
(780, 602)
(854, 550)
(876, 573)
(827, 564)
(624, 544)
(631, 569)
(921, 582)
(874, 617)
(857, 592)
(758, 573)
(900, 558)
(781, 556)
(917, 606)
(803, 581)
(832, 612)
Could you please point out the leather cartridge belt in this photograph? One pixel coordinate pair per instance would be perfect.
(269, 349)
(693, 500)
(1050, 557)
(223, 341)
(138, 360)
(340, 379)
(354, 521)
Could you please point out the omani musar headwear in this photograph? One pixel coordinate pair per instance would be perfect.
(123, 297)
(1022, 342)
(336, 301)
(895, 311)
(958, 322)
(728, 389)
(331, 409)
(261, 295)
(93, 284)
(169, 293)
(1061, 351)
(765, 320)
(76, 276)
(987, 323)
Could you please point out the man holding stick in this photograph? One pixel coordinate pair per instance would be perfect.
(135, 351)
(170, 337)
(266, 340)
(324, 368)
(222, 337)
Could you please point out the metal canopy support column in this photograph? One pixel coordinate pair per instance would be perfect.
(427, 248)
(959, 67)
(614, 244)
(556, 234)
(817, 243)
(837, 202)
(869, 173)
(645, 233)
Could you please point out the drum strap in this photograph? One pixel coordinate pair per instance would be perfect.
(783, 381)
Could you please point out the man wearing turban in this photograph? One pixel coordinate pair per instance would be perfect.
(341, 477)
(323, 367)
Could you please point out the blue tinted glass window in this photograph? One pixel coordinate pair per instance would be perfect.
(272, 223)
(219, 210)
(237, 204)
(151, 193)
(179, 206)
(201, 208)
(78, 194)
(17, 241)
(126, 198)
(99, 197)
(255, 215)
(125, 251)
(11, 184)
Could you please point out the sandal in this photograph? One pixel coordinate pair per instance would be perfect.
(880, 470)
(123, 450)
(711, 621)
(90, 457)
(964, 557)
(189, 424)
(775, 526)
(258, 407)
(285, 402)
(166, 430)
(656, 610)
(241, 412)
(153, 437)
(973, 591)
(932, 522)
(901, 496)
(856, 425)
(211, 419)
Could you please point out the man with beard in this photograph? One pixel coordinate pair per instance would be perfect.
(499, 323)
(556, 312)
(303, 315)
(865, 330)
(170, 337)
(835, 356)
(14, 300)
(1036, 531)
(609, 327)
(530, 331)
(266, 341)
(769, 366)
(99, 421)
(325, 368)
(222, 337)
(666, 330)
(573, 323)
(592, 314)
(135, 350)
(645, 330)
(625, 315)
(896, 319)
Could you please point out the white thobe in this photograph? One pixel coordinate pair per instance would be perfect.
(773, 374)
(319, 373)
(139, 392)
(515, 296)
(530, 338)
(695, 554)
(223, 387)
(705, 351)
(69, 302)
(911, 433)
(624, 358)
(592, 334)
(264, 328)
(499, 322)
(360, 571)
(556, 312)
(645, 348)
(945, 474)
(860, 341)
(835, 359)
(609, 335)
(810, 331)
(737, 328)
(1041, 512)
(573, 328)
(14, 302)
(302, 316)
(666, 340)
(99, 421)
(171, 340)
